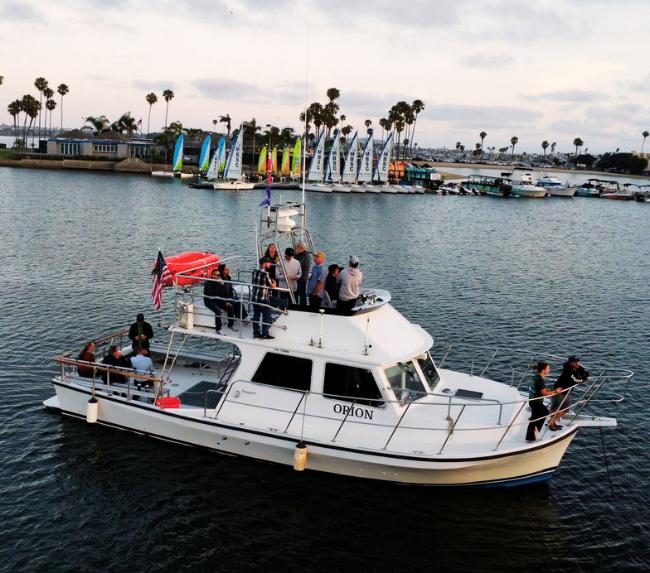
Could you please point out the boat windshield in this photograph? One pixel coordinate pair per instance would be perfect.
(429, 370)
(405, 381)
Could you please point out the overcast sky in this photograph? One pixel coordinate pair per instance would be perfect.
(554, 70)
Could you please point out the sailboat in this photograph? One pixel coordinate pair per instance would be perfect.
(364, 176)
(316, 173)
(218, 161)
(177, 162)
(380, 175)
(285, 163)
(351, 168)
(296, 163)
(274, 161)
(333, 173)
(204, 156)
(233, 174)
(261, 162)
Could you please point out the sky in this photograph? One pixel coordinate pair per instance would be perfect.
(552, 70)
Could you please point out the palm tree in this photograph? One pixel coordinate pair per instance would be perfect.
(62, 90)
(553, 146)
(2, 80)
(100, 123)
(367, 123)
(386, 125)
(41, 85)
(416, 107)
(513, 141)
(544, 146)
(50, 104)
(214, 125)
(644, 134)
(482, 136)
(252, 127)
(14, 109)
(578, 143)
(168, 95)
(151, 98)
(228, 121)
(31, 108)
(48, 93)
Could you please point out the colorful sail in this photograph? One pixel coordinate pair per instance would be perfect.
(285, 164)
(316, 171)
(274, 160)
(218, 159)
(261, 162)
(365, 168)
(383, 164)
(177, 161)
(204, 156)
(296, 164)
(333, 174)
(234, 164)
(351, 161)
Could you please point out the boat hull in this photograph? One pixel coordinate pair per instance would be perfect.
(529, 464)
(561, 191)
(233, 186)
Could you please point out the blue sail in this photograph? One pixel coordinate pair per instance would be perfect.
(204, 157)
(177, 162)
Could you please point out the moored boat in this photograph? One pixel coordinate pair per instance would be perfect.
(233, 175)
(555, 187)
(177, 162)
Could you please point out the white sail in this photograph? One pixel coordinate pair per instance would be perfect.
(351, 162)
(234, 164)
(383, 164)
(217, 160)
(316, 171)
(365, 169)
(334, 160)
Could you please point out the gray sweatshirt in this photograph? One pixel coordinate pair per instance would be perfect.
(350, 284)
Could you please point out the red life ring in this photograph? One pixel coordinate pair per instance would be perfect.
(191, 264)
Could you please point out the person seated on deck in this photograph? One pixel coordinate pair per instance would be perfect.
(350, 290)
(211, 291)
(142, 364)
(332, 286)
(261, 298)
(572, 373)
(140, 333)
(316, 284)
(233, 307)
(536, 392)
(87, 354)
(114, 358)
(294, 272)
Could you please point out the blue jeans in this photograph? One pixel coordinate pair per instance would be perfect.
(213, 305)
(265, 313)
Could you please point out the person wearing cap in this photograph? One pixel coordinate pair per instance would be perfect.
(294, 272)
(304, 258)
(140, 332)
(350, 290)
(261, 298)
(572, 373)
(537, 390)
(332, 285)
(316, 284)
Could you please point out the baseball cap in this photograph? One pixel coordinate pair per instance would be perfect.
(321, 254)
(573, 358)
(354, 260)
(264, 260)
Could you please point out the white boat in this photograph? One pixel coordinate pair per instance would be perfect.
(318, 187)
(316, 172)
(364, 175)
(177, 162)
(218, 163)
(333, 169)
(618, 193)
(522, 185)
(357, 395)
(555, 187)
(341, 188)
(351, 167)
(233, 174)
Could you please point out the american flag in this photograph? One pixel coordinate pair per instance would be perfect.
(161, 277)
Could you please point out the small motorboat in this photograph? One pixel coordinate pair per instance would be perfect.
(555, 187)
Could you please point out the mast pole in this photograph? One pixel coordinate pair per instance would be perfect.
(304, 139)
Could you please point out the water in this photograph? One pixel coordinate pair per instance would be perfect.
(559, 275)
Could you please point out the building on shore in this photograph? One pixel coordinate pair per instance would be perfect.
(110, 145)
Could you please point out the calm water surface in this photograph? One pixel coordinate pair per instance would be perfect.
(557, 275)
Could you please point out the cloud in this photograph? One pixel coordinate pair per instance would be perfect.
(154, 85)
(572, 96)
(226, 90)
(639, 86)
(482, 117)
(487, 60)
(19, 12)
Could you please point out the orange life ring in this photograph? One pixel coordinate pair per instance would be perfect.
(191, 264)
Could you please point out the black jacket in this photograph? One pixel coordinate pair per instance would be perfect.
(146, 330)
(570, 377)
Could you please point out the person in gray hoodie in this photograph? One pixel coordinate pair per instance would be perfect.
(350, 287)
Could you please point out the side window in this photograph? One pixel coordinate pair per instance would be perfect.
(284, 371)
(351, 384)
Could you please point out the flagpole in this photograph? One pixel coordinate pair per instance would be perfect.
(304, 139)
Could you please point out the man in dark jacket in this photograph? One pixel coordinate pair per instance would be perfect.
(572, 373)
(140, 333)
(304, 258)
(113, 359)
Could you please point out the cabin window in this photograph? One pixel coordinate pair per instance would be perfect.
(351, 384)
(429, 370)
(284, 371)
(405, 381)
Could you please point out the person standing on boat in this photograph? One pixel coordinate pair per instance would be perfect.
(304, 258)
(350, 290)
(316, 284)
(536, 392)
(140, 332)
(271, 253)
(294, 272)
(572, 373)
(332, 286)
(261, 299)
